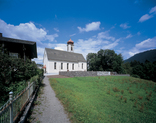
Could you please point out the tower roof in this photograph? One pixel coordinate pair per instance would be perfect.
(70, 42)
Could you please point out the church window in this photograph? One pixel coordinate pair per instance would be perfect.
(54, 65)
(61, 65)
(82, 65)
(73, 67)
(67, 66)
(71, 48)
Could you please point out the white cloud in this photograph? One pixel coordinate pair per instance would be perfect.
(153, 10)
(129, 36)
(105, 35)
(111, 45)
(40, 52)
(56, 29)
(147, 44)
(51, 37)
(145, 17)
(151, 14)
(58, 48)
(93, 44)
(144, 45)
(124, 26)
(28, 31)
(25, 31)
(73, 34)
(90, 27)
(138, 33)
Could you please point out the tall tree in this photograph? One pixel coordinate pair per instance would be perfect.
(105, 60)
(92, 61)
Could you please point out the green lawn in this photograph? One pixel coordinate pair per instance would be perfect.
(107, 99)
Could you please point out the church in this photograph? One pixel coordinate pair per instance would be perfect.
(58, 60)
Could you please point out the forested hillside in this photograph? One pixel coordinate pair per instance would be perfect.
(142, 65)
(149, 55)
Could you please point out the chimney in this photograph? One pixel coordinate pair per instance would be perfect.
(0, 34)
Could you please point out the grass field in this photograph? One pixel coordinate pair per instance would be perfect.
(107, 99)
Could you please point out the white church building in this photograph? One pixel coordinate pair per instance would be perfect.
(58, 60)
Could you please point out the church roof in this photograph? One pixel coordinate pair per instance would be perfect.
(59, 55)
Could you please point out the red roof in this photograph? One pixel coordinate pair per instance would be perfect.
(44, 66)
(70, 42)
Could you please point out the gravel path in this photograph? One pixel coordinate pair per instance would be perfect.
(48, 108)
(57, 76)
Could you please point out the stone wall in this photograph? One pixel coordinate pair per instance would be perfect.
(103, 73)
(78, 73)
(90, 73)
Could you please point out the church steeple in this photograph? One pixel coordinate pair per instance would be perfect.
(70, 46)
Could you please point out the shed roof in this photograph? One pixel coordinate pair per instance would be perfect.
(17, 45)
(17, 41)
(59, 55)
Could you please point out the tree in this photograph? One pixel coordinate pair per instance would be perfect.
(105, 60)
(127, 68)
(92, 61)
(138, 70)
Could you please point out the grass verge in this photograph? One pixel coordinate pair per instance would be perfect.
(107, 99)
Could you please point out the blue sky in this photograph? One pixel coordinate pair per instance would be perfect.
(126, 26)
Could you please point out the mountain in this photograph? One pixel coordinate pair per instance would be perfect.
(149, 55)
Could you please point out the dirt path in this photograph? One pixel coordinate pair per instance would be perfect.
(48, 108)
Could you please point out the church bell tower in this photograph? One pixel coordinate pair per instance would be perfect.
(70, 46)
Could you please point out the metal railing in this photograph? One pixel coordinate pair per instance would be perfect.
(11, 110)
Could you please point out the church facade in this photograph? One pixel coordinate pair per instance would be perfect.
(57, 60)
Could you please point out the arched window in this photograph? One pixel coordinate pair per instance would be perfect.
(71, 48)
(73, 67)
(67, 66)
(54, 65)
(82, 65)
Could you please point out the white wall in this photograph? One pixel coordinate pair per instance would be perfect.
(45, 61)
(77, 66)
(69, 47)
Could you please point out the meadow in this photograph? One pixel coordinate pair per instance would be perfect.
(107, 99)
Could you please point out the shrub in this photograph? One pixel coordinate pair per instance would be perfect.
(121, 97)
(141, 109)
(136, 76)
(140, 97)
(125, 100)
(14, 71)
(132, 98)
(148, 97)
(135, 103)
(130, 92)
(108, 92)
(116, 89)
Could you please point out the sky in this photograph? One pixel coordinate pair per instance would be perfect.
(125, 26)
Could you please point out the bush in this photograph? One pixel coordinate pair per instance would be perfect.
(136, 76)
(14, 73)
